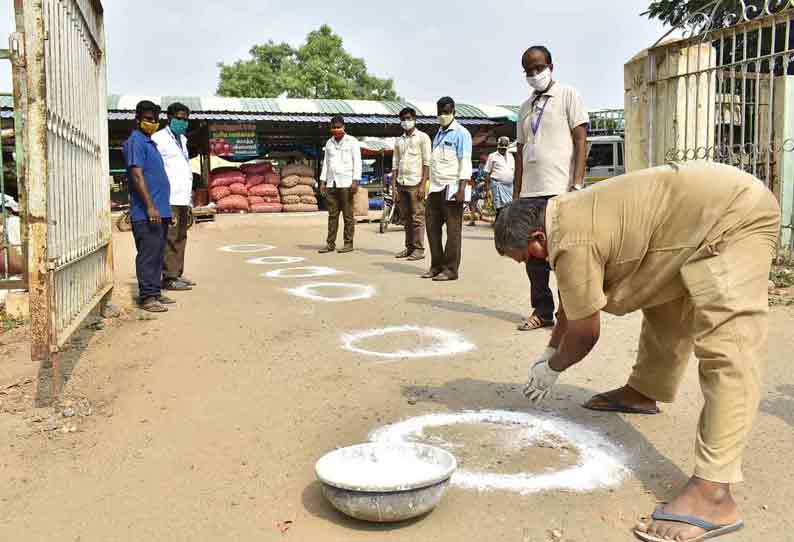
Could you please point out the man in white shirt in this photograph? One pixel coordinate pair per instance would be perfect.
(552, 146)
(339, 180)
(450, 171)
(171, 142)
(411, 170)
(500, 169)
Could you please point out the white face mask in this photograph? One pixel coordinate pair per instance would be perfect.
(446, 120)
(408, 124)
(541, 81)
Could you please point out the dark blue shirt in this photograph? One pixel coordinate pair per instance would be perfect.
(140, 151)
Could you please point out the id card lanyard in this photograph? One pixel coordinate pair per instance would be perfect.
(178, 141)
(530, 154)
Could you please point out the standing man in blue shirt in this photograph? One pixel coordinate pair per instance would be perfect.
(150, 209)
(450, 171)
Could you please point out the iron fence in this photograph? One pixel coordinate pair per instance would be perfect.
(725, 92)
(67, 182)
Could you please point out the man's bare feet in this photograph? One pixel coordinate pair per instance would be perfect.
(625, 399)
(708, 501)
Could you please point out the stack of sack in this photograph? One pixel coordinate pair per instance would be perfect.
(261, 184)
(251, 188)
(297, 189)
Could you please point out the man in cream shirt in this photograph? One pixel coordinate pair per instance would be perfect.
(450, 171)
(172, 144)
(339, 181)
(411, 171)
(552, 144)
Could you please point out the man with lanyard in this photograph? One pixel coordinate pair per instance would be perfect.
(411, 171)
(690, 246)
(552, 146)
(500, 169)
(339, 180)
(450, 171)
(172, 144)
(150, 209)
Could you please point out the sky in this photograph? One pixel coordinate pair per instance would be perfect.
(467, 49)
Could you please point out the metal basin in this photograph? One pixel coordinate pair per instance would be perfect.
(385, 482)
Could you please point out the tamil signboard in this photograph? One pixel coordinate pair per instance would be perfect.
(234, 140)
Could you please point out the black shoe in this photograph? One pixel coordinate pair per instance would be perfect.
(431, 274)
(444, 277)
(326, 250)
(416, 256)
(345, 250)
(404, 254)
(176, 285)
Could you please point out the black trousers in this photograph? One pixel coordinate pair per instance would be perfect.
(440, 212)
(541, 296)
(150, 242)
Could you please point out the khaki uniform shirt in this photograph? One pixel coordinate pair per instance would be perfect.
(411, 154)
(619, 246)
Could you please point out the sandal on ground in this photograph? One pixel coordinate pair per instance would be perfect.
(712, 530)
(616, 406)
(152, 304)
(533, 323)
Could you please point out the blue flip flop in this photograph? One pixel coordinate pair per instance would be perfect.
(712, 530)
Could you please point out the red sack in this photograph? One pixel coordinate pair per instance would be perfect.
(219, 192)
(226, 179)
(239, 189)
(257, 168)
(266, 208)
(253, 200)
(254, 180)
(233, 203)
(272, 178)
(263, 190)
(272, 199)
(224, 171)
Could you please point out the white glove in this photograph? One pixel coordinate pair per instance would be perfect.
(541, 378)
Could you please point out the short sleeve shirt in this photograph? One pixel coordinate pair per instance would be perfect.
(555, 113)
(619, 246)
(141, 151)
(411, 154)
(501, 168)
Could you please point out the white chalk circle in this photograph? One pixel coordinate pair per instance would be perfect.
(276, 260)
(601, 463)
(246, 249)
(350, 292)
(443, 342)
(307, 272)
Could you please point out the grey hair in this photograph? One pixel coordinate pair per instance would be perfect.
(517, 222)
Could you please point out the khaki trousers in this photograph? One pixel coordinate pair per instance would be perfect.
(412, 210)
(176, 243)
(438, 212)
(340, 200)
(723, 321)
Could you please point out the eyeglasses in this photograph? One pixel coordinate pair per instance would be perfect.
(535, 70)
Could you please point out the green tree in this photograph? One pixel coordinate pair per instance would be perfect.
(674, 12)
(320, 68)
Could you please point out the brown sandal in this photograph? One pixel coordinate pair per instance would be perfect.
(539, 323)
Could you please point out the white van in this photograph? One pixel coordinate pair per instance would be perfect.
(605, 158)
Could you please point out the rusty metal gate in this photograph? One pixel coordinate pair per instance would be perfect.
(61, 90)
(725, 92)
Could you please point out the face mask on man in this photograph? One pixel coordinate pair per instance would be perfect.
(446, 119)
(338, 133)
(541, 81)
(148, 127)
(408, 125)
(178, 126)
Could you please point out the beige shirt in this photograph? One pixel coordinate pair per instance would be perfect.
(501, 168)
(619, 246)
(411, 154)
(548, 153)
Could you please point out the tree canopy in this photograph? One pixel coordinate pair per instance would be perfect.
(320, 68)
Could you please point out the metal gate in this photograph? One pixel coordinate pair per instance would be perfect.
(61, 90)
(725, 92)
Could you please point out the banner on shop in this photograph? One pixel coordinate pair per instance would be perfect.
(234, 140)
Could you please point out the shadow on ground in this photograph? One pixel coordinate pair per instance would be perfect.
(466, 308)
(55, 373)
(471, 394)
(406, 269)
(318, 506)
(780, 403)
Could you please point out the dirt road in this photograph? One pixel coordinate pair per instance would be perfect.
(204, 424)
